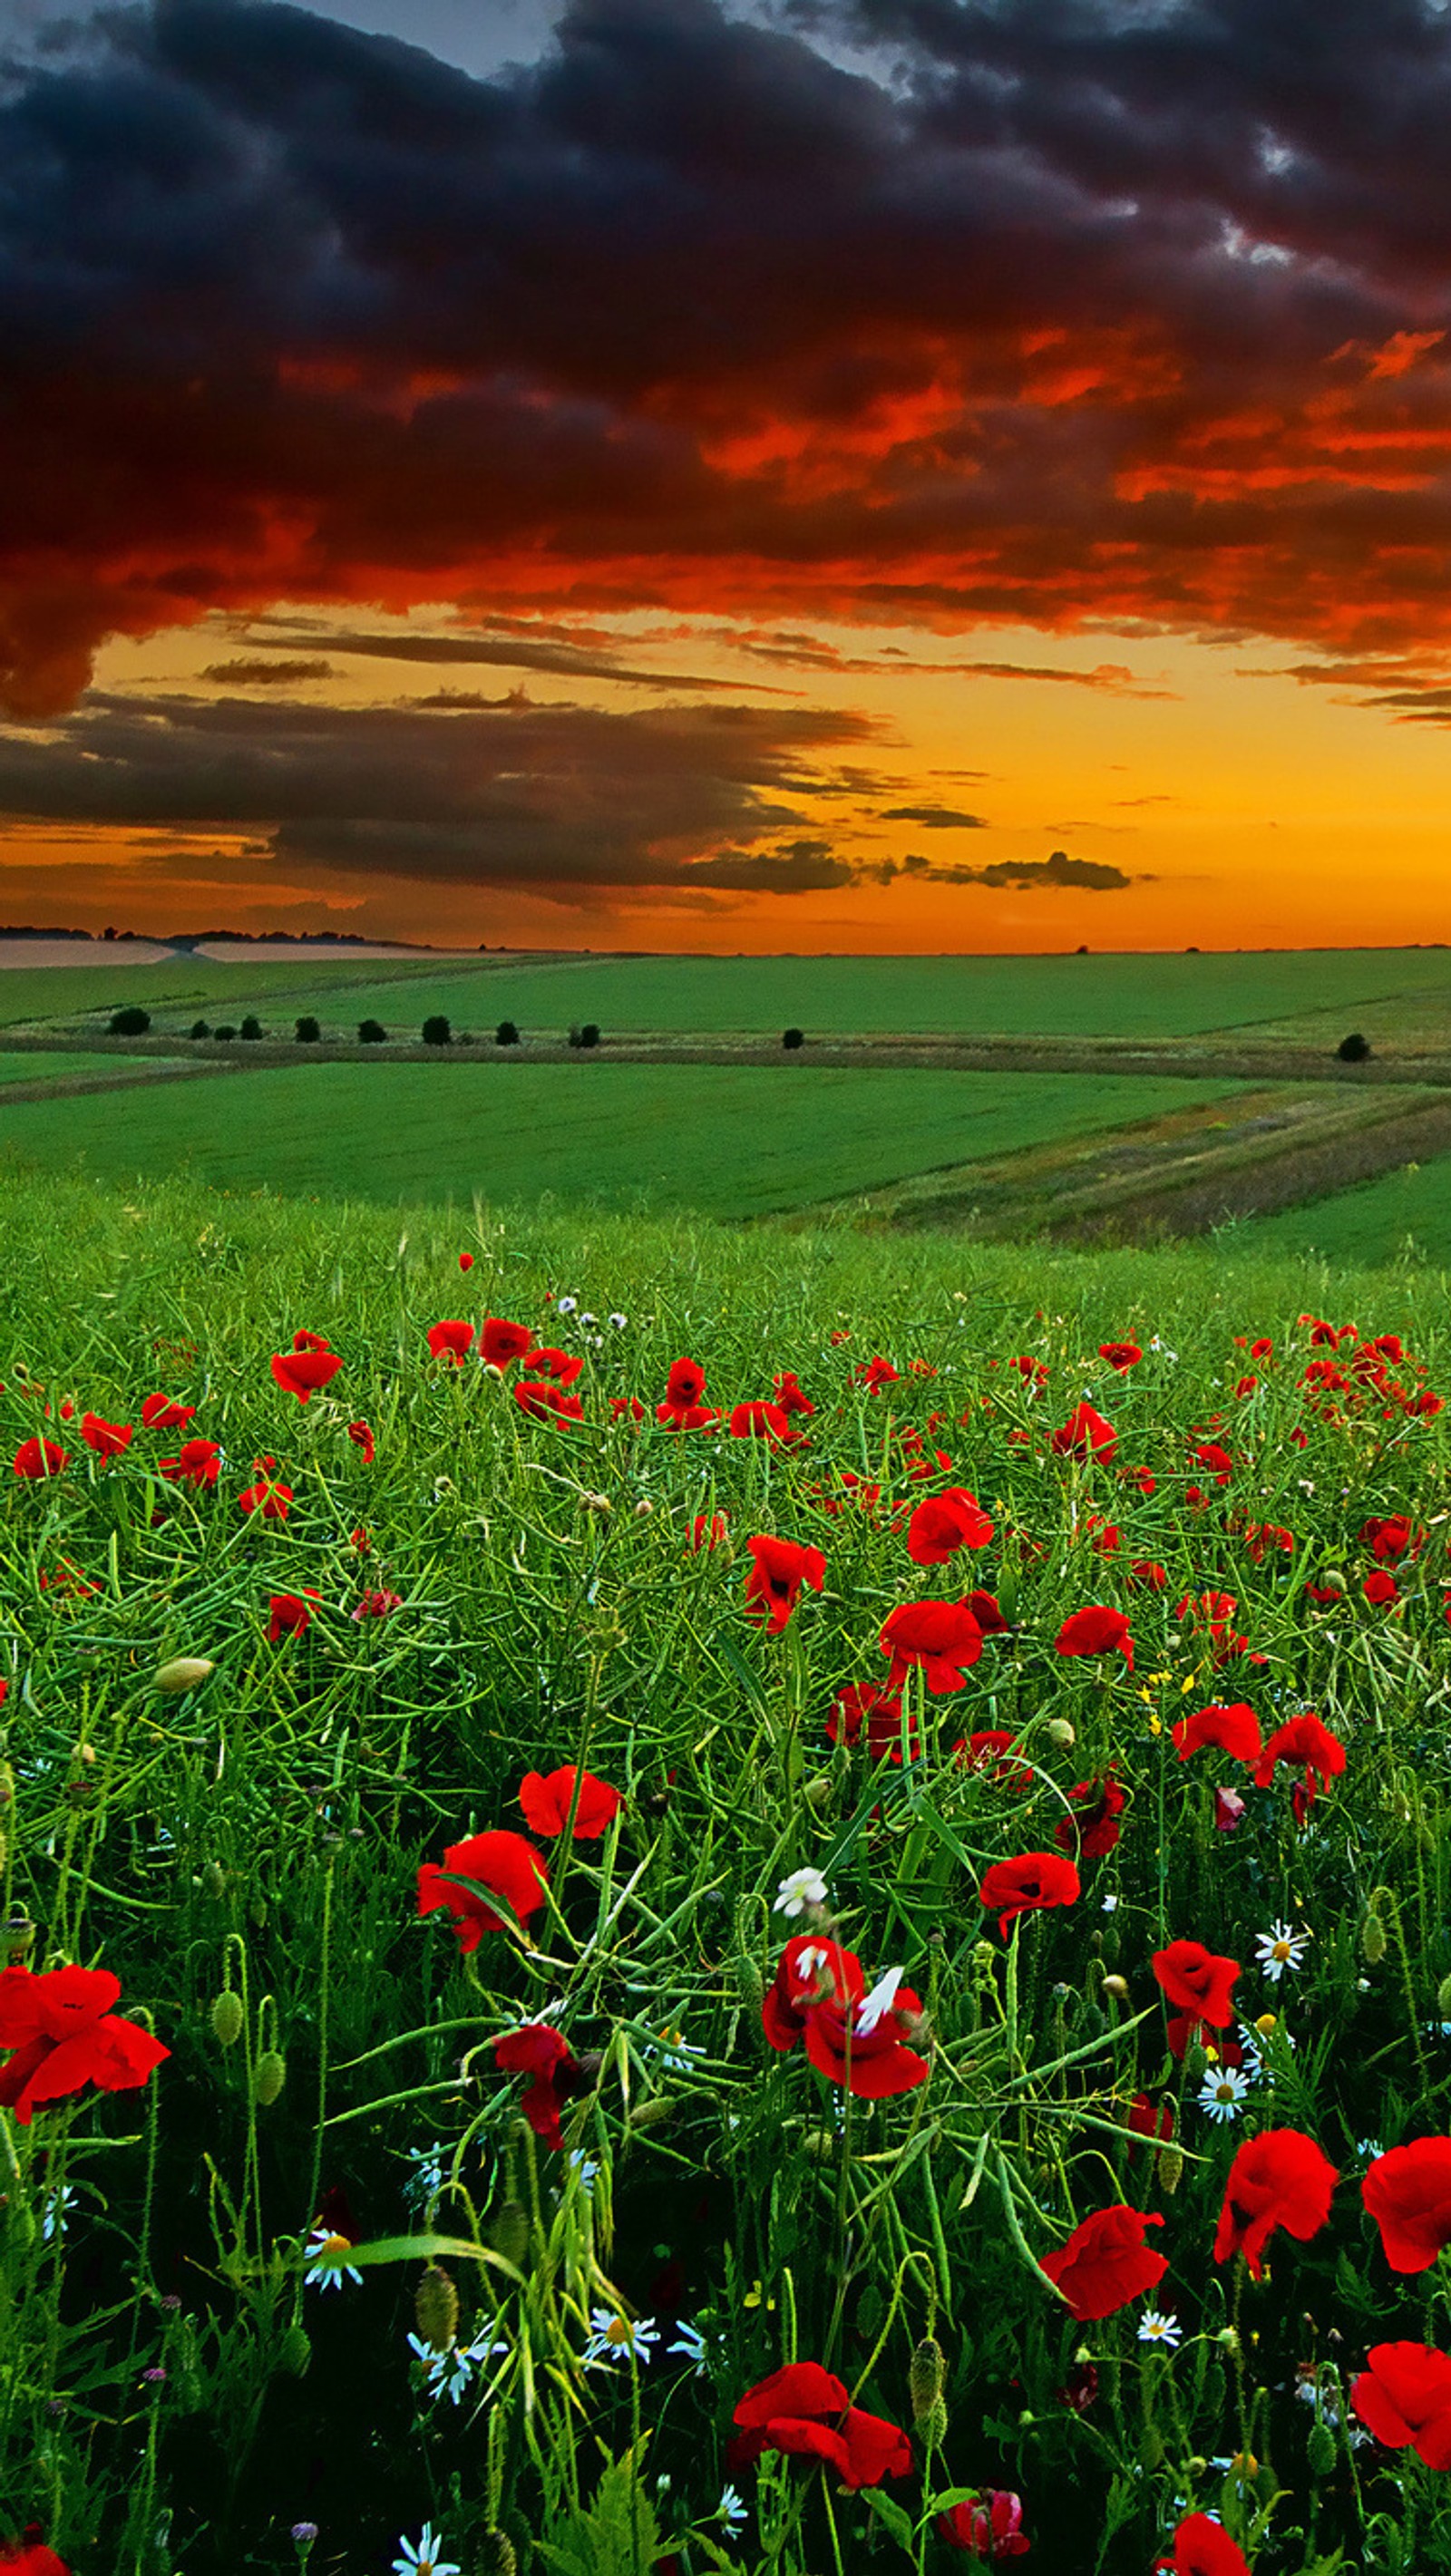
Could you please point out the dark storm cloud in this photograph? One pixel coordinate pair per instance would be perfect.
(1097, 315)
(1086, 876)
(935, 818)
(518, 651)
(256, 674)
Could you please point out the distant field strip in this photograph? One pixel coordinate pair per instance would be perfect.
(1407, 1210)
(727, 1141)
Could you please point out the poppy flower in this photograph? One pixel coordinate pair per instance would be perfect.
(1403, 2397)
(502, 1864)
(984, 1751)
(789, 1396)
(942, 1638)
(944, 1523)
(544, 1402)
(1303, 1739)
(560, 1367)
(1408, 2194)
(307, 1366)
(502, 1341)
(198, 1463)
(1197, 1981)
(466, 1261)
(546, 1802)
(1098, 1829)
(804, 2411)
(809, 1972)
(289, 1614)
(1032, 1370)
(708, 1533)
(627, 1404)
(1106, 2262)
(360, 1433)
(876, 1374)
(378, 1604)
(986, 1611)
(555, 2074)
(861, 2044)
(1148, 2120)
(107, 1439)
(778, 1569)
(1278, 2179)
(857, 1705)
(1229, 1810)
(685, 1384)
(1380, 1587)
(1202, 2547)
(1217, 1461)
(1096, 1631)
(1231, 1728)
(29, 2556)
(272, 1500)
(163, 1413)
(63, 2034)
(40, 1458)
(988, 2526)
(1085, 1434)
(454, 1337)
(761, 1421)
(1120, 1355)
(1028, 1884)
(1144, 1573)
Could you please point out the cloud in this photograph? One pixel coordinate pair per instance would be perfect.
(265, 675)
(1089, 317)
(935, 818)
(522, 649)
(1086, 876)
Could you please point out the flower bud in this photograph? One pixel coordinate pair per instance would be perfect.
(227, 2018)
(508, 2231)
(500, 2557)
(1118, 1986)
(435, 2308)
(17, 1939)
(270, 2077)
(819, 1793)
(183, 1673)
(1373, 1941)
(1320, 2450)
(819, 2145)
(925, 2377)
(1170, 2169)
(295, 2351)
(933, 2427)
(1062, 1732)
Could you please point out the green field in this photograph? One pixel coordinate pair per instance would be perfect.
(1111, 996)
(1404, 1211)
(26, 1067)
(725, 1140)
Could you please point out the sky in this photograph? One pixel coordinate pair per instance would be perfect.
(859, 475)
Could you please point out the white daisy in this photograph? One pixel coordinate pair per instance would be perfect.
(330, 2266)
(731, 2510)
(880, 2001)
(690, 2344)
(1157, 2327)
(1370, 2148)
(1278, 1949)
(420, 2557)
(804, 1887)
(1222, 2092)
(615, 2338)
(565, 1305)
(619, 1322)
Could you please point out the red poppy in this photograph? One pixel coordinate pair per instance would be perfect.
(1217, 1461)
(804, 2410)
(40, 1458)
(1229, 1810)
(1098, 1829)
(560, 1367)
(307, 1366)
(107, 1439)
(1104, 1536)
(289, 1614)
(789, 1396)
(501, 1341)
(1197, 1981)
(1279, 2179)
(555, 2075)
(1145, 1573)
(1148, 2121)
(1120, 1355)
(876, 1374)
(983, 1751)
(988, 2526)
(361, 1435)
(454, 1337)
(1027, 1884)
(1261, 1536)
(761, 1421)
(986, 1612)
(544, 1402)
(857, 1704)
(1202, 2547)
(199, 1463)
(1096, 1631)
(163, 1413)
(685, 1385)
(1142, 1477)
(1322, 1333)
(272, 1500)
(861, 2044)
(1033, 1370)
(1408, 2194)
(503, 1864)
(778, 1569)
(546, 1800)
(466, 1261)
(944, 1523)
(378, 1604)
(29, 2556)
(810, 1971)
(63, 2034)
(708, 1533)
(1303, 1739)
(1403, 2397)
(1085, 1434)
(1380, 1587)
(1231, 1728)
(1106, 2262)
(942, 1637)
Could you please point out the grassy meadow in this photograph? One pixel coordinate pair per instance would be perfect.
(862, 2140)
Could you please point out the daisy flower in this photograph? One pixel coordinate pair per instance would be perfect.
(328, 2254)
(804, 1887)
(731, 2510)
(690, 2344)
(1157, 2327)
(421, 2557)
(1278, 1949)
(616, 2338)
(1222, 2092)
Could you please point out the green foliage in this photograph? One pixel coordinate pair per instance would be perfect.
(618, 2535)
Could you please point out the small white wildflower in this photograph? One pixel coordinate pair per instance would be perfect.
(619, 1322)
(1370, 2148)
(690, 2344)
(565, 1305)
(53, 2214)
(1156, 2326)
(585, 2166)
(879, 2002)
(617, 2338)
(1109, 1905)
(1222, 2092)
(330, 2266)
(804, 1887)
(588, 1319)
(1278, 1949)
(731, 2510)
(421, 2557)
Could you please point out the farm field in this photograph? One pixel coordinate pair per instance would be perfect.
(1405, 1210)
(816, 1986)
(726, 1141)
(25, 1067)
(182, 986)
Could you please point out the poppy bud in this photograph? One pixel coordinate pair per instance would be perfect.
(1118, 1986)
(435, 2308)
(1373, 1941)
(508, 2231)
(270, 2077)
(500, 2557)
(1170, 2169)
(7, 1784)
(1196, 2062)
(183, 1673)
(819, 2145)
(750, 1984)
(1333, 1580)
(18, 1938)
(643, 1509)
(295, 2350)
(214, 1878)
(1229, 2338)
(925, 2376)
(871, 2307)
(933, 2427)
(1320, 2450)
(649, 2115)
(227, 2018)
(819, 1792)
(1062, 1732)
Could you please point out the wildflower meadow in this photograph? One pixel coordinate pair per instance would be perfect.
(692, 1899)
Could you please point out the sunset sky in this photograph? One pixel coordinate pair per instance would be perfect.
(840, 474)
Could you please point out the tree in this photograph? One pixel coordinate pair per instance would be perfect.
(506, 1034)
(371, 1033)
(251, 1027)
(1354, 1049)
(436, 1031)
(133, 1022)
(199, 1029)
(589, 1035)
(224, 1033)
(308, 1032)
(793, 1037)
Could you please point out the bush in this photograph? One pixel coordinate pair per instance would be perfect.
(224, 1033)
(436, 1031)
(1354, 1049)
(133, 1022)
(308, 1032)
(793, 1037)
(371, 1033)
(199, 1029)
(506, 1034)
(589, 1035)
(250, 1028)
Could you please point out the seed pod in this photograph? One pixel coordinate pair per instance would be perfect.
(435, 2308)
(214, 1879)
(270, 2077)
(508, 2231)
(819, 2145)
(750, 1984)
(1170, 2169)
(925, 2376)
(1061, 1731)
(1196, 2063)
(295, 2351)
(184, 1672)
(227, 2018)
(1320, 2450)
(1373, 1941)
(933, 2427)
(651, 2114)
